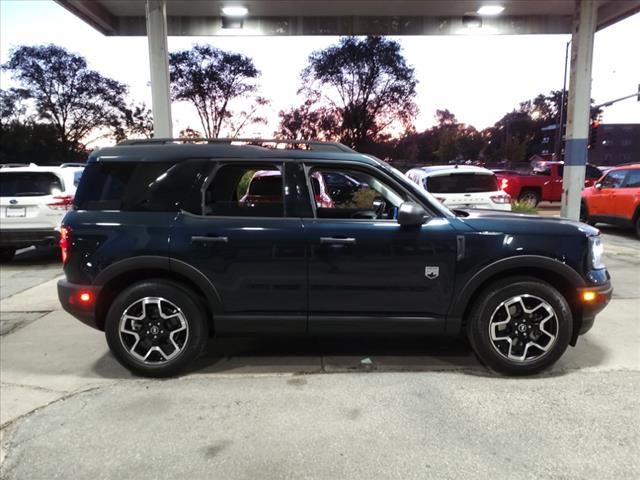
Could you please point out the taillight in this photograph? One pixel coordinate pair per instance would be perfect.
(504, 184)
(502, 198)
(61, 202)
(65, 241)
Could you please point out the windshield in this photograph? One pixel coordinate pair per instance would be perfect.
(462, 183)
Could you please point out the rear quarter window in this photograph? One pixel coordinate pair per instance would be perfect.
(139, 186)
(462, 183)
(29, 184)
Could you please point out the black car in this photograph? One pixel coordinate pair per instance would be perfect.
(161, 252)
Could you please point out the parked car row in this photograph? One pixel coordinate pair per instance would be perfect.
(33, 201)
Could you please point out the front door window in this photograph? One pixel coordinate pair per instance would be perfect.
(354, 194)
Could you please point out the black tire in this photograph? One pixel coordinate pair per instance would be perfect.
(192, 342)
(529, 195)
(638, 226)
(7, 254)
(490, 300)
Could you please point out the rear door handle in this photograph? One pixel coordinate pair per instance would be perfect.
(206, 239)
(337, 241)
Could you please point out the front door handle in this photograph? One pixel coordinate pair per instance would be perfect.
(205, 239)
(337, 241)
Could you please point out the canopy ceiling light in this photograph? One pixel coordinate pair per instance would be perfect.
(233, 16)
(235, 11)
(490, 10)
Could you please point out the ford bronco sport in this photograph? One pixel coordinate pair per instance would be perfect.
(163, 250)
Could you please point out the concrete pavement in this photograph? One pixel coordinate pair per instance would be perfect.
(397, 408)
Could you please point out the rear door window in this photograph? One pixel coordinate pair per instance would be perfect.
(245, 190)
(462, 183)
(29, 184)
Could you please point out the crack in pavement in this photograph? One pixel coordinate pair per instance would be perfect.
(8, 429)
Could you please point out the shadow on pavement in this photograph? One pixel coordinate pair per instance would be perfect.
(296, 355)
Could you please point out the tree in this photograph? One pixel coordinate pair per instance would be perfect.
(211, 79)
(74, 99)
(366, 82)
(12, 107)
(239, 121)
(136, 121)
(190, 133)
(308, 121)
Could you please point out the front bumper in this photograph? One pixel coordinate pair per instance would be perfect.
(602, 297)
(69, 295)
(20, 238)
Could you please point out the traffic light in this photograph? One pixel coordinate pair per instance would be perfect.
(593, 134)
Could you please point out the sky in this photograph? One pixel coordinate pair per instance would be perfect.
(479, 78)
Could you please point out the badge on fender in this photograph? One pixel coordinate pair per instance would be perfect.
(431, 272)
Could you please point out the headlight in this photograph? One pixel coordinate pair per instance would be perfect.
(596, 250)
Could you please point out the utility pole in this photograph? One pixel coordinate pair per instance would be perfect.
(558, 140)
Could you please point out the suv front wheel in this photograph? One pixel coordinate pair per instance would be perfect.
(519, 326)
(156, 328)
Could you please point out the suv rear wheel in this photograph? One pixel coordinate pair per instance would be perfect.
(519, 326)
(156, 328)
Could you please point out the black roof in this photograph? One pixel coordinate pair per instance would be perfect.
(159, 152)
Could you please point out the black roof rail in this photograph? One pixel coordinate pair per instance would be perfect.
(260, 142)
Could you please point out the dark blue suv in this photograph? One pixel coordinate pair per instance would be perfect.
(169, 244)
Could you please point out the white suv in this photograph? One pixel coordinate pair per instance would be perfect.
(33, 201)
(462, 186)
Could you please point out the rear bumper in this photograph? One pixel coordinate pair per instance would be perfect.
(69, 296)
(18, 238)
(591, 308)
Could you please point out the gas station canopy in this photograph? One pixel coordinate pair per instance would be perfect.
(346, 17)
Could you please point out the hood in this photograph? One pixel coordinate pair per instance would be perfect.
(517, 223)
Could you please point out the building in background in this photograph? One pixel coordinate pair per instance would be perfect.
(609, 144)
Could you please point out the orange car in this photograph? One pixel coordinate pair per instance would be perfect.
(615, 198)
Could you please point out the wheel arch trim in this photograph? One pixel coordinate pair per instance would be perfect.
(166, 264)
(553, 266)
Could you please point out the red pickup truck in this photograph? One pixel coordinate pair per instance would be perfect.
(542, 184)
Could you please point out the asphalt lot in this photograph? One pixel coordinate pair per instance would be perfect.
(314, 408)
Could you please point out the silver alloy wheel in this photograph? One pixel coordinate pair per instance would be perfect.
(523, 328)
(153, 330)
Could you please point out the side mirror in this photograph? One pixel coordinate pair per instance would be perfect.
(598, 185)
(411, 214)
